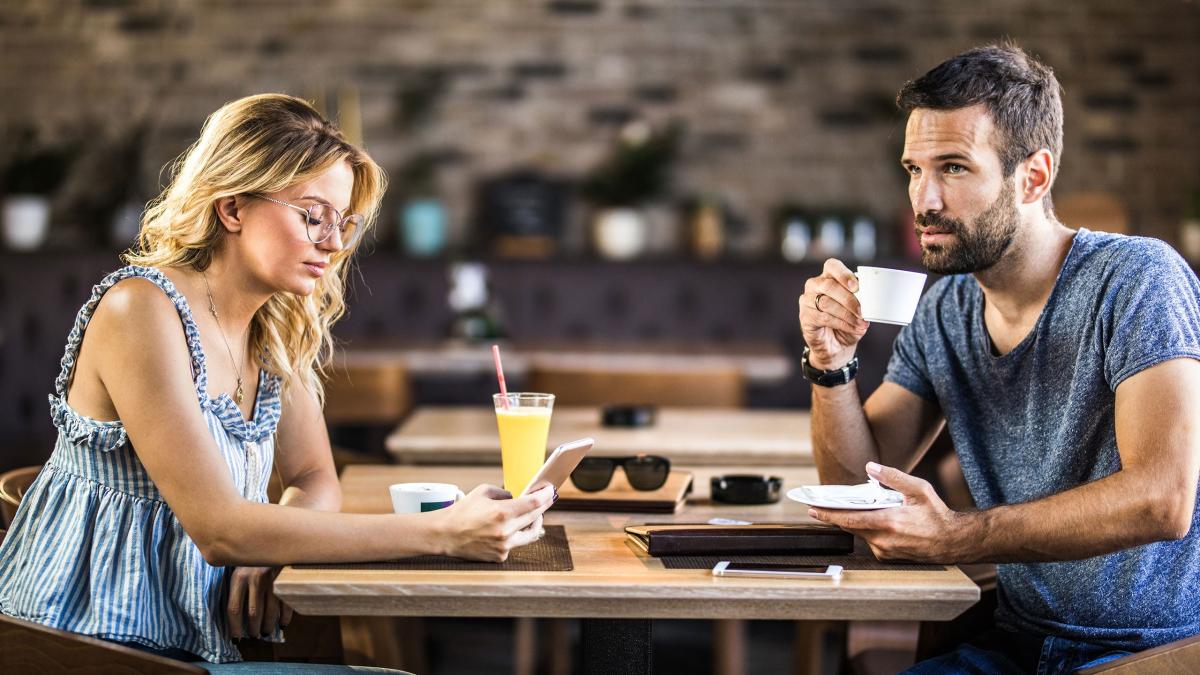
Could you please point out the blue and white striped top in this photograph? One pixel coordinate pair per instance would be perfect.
(95, 550)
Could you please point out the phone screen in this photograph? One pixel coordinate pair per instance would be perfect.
(776, 567)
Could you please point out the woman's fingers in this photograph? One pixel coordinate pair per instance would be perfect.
(526, 519)
(492, 492)
(286, 615)
(235, 609)
(526, 535)
(271, 613)
(254, 604)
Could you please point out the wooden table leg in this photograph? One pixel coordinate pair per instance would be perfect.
(729, 647)
(524, 645)
(558, 646)
(809, 654)
(616, 647)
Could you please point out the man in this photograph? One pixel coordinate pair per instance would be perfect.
(1064, 363)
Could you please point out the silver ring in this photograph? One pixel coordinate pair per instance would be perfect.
(817, 301)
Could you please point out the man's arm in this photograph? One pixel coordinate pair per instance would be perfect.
(895, 428)
(896, 425)
(1151, 498)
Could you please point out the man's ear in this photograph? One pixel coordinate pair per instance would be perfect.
(229, 212)
(1036, 177)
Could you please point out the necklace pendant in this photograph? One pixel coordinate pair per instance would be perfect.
(237, 393)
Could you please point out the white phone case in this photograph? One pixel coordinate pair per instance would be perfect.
(832, 572)
(561, 463)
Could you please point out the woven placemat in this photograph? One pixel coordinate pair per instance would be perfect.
(551, 553)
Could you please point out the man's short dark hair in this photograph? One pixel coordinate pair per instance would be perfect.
(1020, 92)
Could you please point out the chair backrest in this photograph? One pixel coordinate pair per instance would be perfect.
(367, 393)
(13, 485)
(1181, 656)
(715, 387)
(1097, 211)
(27, 647)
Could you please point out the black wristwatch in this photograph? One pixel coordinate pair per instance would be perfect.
(829, 378)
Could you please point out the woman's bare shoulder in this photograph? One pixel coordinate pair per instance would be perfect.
(137, 309)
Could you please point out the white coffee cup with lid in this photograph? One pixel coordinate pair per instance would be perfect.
(423, 497)
(889, 296)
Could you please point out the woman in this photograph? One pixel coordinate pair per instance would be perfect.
(183, 375)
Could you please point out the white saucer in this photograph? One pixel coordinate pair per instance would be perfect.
(804, 496)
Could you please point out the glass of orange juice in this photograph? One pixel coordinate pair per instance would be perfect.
(524, 423)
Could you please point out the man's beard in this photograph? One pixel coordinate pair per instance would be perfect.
(978, 247)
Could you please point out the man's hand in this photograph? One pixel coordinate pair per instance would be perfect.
(830, 316)
(253, 610)
(923, 530)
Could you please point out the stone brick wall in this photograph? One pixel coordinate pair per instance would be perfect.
(784, 100)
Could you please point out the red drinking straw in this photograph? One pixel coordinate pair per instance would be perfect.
(500, 376)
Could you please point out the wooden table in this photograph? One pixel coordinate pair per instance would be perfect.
(760, 363)
(614, 586)
(692, 436)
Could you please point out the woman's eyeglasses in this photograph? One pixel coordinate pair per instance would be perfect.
(644, 472)
(321, 220)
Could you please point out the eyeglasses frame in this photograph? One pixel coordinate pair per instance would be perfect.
(341, 220)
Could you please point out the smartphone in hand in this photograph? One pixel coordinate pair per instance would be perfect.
(561, 463)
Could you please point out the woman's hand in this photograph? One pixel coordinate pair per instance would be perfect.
(487, 524)
(253, 609)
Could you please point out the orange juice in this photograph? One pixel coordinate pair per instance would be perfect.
(523, 432)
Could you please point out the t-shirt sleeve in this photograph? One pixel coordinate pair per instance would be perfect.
(908, 366)
(1151, 311)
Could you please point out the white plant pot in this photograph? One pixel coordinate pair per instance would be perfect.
(26, 222)
(619, 233)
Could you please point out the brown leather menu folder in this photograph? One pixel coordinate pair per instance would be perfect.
(764, 538)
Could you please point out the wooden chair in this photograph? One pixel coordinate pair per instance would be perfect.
(13, 485)
(713, 387)
(310, 638)
(1097, 211)
(367, 393)
(27, 647)
(1181, 656)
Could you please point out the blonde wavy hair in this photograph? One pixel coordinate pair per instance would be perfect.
(262, 143)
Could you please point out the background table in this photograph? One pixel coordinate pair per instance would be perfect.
(759, 362)
(688, 436)
(613, 580)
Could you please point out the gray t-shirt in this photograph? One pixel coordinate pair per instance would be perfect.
(1039, 420)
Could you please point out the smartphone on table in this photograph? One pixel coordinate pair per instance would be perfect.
(726, 568)
(561, 463)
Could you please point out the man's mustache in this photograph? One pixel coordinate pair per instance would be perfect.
(939, 222)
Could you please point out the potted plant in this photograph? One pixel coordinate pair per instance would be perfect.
(30, 180)
(422, 216)
(637, 171)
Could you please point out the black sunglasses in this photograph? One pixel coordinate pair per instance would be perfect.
(644, 472)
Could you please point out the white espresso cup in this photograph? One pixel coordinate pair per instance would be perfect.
(889, 296)
(423, 497)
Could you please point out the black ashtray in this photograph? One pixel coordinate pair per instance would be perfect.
(746, 489)
(628, 416)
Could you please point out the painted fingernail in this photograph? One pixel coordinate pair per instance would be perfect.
(555, 498)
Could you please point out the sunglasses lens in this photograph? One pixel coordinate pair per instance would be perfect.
(593, 474)
(647, 472)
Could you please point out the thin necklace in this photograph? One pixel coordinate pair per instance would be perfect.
(212, 307)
